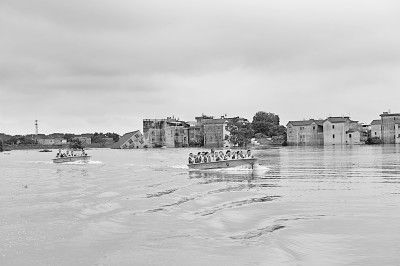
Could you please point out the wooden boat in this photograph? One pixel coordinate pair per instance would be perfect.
(45, 150)
(246, 162)
(71, 159)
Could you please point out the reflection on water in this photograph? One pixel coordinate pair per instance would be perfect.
(301, 205)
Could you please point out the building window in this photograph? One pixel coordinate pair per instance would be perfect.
(349, 135)
(313, 127)
(375, 133)
(333, 126)
(333, 136)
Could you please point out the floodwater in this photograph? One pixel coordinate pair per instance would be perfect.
(301, 206)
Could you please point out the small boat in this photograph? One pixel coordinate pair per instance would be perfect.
(246, 162)
(71, 159)
(45, 150)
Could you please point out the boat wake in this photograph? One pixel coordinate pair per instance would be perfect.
(83, 162)
(182, 166)
(258, 169)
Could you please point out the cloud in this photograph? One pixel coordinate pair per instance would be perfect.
(100, 63)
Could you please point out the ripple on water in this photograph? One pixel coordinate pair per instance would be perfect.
(258, 232)
(235, 204)
(161, 193)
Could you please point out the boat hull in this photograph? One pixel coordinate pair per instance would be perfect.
(248, 163)
(71, 159)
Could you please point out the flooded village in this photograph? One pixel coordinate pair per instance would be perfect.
(222, 132)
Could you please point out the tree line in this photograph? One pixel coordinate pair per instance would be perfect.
(264, 125)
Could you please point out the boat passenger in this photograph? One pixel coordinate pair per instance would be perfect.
(241, 154)
(197, 159)
(216, 157)
(209, 157)
(221, 155)
(233, 157)
(248, 155)
(191, 159)
(227, 155)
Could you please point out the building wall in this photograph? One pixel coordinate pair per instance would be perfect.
(214, 135)
(335, 133)
(196, 137)
(134, 142)
(305, 135)
(397, 133)
(376, 131)
(154, 132)
(389, 128)
(165, 132)
(52, 141)
(85, 140)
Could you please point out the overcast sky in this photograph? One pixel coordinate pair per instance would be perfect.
(97, 65)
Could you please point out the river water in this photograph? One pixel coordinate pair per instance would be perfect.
(301, 206)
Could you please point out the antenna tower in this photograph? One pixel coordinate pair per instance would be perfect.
(36, 128)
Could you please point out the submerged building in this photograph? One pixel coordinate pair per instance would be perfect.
(342, 131)
(168, 132)
(216, 134)
(390, 127)
(306, 132)
(130, 140)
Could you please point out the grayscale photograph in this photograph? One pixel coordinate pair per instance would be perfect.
(212, 132)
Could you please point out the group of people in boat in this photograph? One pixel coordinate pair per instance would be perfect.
(67, 153)
(216, 156)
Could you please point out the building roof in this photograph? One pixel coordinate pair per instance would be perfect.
(389, 114)
(124, 139)
(305, 122)
(376, 122)
(215, 121)
(339, 119)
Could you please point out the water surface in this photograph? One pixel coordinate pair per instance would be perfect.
(301, 206)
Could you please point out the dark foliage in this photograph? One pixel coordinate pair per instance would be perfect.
(240, 132)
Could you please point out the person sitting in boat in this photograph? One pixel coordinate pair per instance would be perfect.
(221, 156)
(233, 156)
(216, 157)
(191, 159)
(241, 155)
(249, 155)
(227, 155)
(211, 157)
(197, 158)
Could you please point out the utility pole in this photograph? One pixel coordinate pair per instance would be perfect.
(36, 129)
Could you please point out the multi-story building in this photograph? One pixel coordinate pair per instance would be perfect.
(168, 132)
(216, 134)
(84, 140)
(130, 140)
(342, 131)
(390, 128)
(376, 128)
(51, 141)
(307, 132)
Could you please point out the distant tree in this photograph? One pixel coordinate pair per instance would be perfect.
(69, 137)
(113, 135)
(1, 146)
(20, 140)
(267, 124)
(75, 144)
(240, 132)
